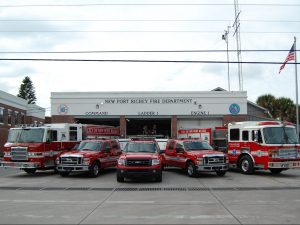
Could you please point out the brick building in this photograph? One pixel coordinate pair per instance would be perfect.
(15, 111)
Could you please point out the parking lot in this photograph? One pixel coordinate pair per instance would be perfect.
(47, 198)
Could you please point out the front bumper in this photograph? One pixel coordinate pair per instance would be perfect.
(21, 165)
(284, 165)
(212, 168)
(135, 173)
(71, 168)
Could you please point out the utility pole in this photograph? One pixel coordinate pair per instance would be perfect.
(237, 35)
(225, 38)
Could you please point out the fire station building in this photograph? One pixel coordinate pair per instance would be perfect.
(161, 114)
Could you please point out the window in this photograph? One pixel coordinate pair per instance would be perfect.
(1, 116)
(105, 146)
(9, 117)
(52, 135)
(73, 133)
(245, 135)
(171, 146)
(234, 134)
(256, 136)
(16, 118)
(114, 144)
(22, 118)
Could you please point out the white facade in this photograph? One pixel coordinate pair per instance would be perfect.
(19, 103)
(147, 104)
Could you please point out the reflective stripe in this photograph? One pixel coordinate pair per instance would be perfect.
(234, 152)
(259, 153)
(181, 159)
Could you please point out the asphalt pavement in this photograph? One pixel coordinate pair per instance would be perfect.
(47, 198)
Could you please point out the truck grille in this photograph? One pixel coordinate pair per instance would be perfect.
(138, 162)
(19, 154)
(71, 160)
(214, 160)
(287, 153)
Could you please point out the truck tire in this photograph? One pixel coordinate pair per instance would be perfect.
(191, 169)
(221, 173)
(94, 169)
(30, 171)
(120, 178)
(246, 165)
(276, 171)
(64, 174)
(158, 177)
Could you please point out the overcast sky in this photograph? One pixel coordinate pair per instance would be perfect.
(146, 25)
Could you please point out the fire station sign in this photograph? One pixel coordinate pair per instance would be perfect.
(195, 104)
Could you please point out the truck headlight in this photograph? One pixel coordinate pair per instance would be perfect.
(121, 162)
(275, 154)
(57, 161)
(7, 154)
(155, 162)
(199, 161)
(86, 161)
(226, 159)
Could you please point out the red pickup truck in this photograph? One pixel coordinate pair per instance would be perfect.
(140, 158)
(195, 155)
(90, 156)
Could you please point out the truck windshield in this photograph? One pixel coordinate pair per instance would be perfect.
(280, 135)
(89, 146)
(141, 147)
(26, 135)
(197, 145)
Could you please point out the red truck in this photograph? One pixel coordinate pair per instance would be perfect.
(195, 155)
(140, 158)
(90, 156)
(35, 147)
(263, 145)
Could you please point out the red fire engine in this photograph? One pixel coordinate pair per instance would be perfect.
(269, 145)
(32, 148)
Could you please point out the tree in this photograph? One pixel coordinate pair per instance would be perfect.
(281, 108)
(26, 91)
(286, 109)
(268, 101)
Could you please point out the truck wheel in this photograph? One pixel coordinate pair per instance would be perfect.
(120, 178)
(221, 173)
(276, 171)
(158, 178)
(30, 171)
(246, 165)
(64, 174)
(191, 169)
(94, 169)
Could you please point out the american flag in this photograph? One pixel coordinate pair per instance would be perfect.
(290, 57)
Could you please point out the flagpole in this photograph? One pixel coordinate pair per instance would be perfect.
(296, 77)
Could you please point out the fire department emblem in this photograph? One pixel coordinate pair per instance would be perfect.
(234, 109)
(62, 109)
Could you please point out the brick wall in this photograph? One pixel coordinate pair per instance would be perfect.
(234, 118)
(3, 139)
(174, 127)
(62, 119)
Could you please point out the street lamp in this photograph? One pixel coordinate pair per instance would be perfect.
(225, 38)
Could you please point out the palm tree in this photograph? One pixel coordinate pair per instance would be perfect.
(268, 101)
(286, 109)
